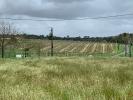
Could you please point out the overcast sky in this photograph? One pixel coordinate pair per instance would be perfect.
(70, 9)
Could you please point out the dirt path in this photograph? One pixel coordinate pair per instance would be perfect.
(85, 48)
(48, 47)
(58, 46)
(103, 48)
(69, 45)
(45, 48)
(94, 47)
(74, 49)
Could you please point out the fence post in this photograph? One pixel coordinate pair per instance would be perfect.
(51, 38)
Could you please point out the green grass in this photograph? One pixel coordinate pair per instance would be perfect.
(66, 78)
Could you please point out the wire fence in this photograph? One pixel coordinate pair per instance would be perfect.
(12, 52)
(30, 54)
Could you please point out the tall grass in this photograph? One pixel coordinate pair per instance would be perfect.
(69, 78)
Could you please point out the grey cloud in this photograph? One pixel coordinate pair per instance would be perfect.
(49, 9)
(69, 9)
(59, 11)
(122, 5)
(67, 1)
(65, 9)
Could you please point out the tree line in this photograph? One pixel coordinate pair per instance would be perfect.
(121, 38)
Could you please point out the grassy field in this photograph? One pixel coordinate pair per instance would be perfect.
(66, 78)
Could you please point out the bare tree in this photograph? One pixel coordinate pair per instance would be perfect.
(7, 37)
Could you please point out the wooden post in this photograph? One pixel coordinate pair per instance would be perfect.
(130, 50)
(51, 38)
(118, 46)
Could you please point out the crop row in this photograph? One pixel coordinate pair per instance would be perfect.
(79, 47)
